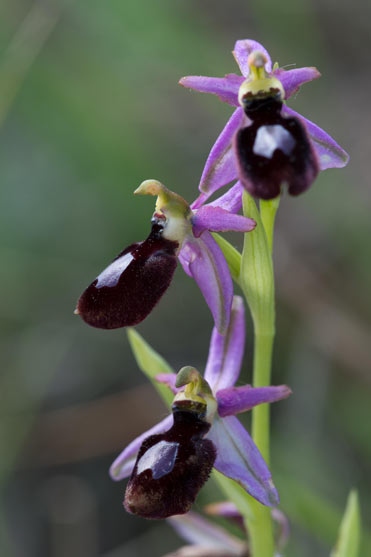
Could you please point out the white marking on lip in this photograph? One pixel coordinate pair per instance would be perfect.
(270, 138)
(111, 275)
(160, 459)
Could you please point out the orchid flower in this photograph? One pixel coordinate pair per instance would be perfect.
(229, 511)
(236, 455)
(264, 143)
(206, 538)
(129, 288)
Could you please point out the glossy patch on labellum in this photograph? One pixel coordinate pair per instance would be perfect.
(273, 150)
(171, 468)
(129, 288)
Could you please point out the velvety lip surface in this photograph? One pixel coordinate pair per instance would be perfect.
(129, 288)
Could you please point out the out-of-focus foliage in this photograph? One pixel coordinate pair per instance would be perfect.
(350, 529)
(89, 108)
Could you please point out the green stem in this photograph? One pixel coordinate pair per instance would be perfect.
(264, 332)
(257, 282)
(268, 211)
(260, 530)
(263, 347)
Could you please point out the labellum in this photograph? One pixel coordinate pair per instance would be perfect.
(129, 288)
(172, 467)
(273, 149)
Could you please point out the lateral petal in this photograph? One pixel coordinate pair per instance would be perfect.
(169, 380)
(292, 79)
(217, 219)
(231, 200)
(235, 400)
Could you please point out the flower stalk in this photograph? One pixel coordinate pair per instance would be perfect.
(257, 282)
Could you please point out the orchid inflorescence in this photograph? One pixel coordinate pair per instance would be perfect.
(264, 146)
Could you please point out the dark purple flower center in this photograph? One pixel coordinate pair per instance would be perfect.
(273, 150)
(129, 288)
(171, 467)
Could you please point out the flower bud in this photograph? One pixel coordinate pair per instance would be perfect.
(172, 467)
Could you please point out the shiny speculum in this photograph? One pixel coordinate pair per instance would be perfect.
(273, 150)
(172, 467)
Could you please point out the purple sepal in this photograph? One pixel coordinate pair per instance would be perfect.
(220, 167)
(235, 400)
(169, 380)
(123, 466)
(205, 551)
(217, 219)
(203, 259)
(330, 154)
(292, 79)
(186, 256)
(239, 458)
(242, 50)
(226, 352)
(228, 510)
(198, 531)
(226, 88)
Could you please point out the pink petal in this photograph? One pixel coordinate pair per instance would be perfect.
(235, 400)
(217, 219)
(231, 200)
(292, 79)
(169, 380)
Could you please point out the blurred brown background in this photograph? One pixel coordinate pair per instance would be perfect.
(90, 107)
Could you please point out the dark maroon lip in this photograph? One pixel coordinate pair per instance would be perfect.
(263, 168)
(171, 468)
(130, 287)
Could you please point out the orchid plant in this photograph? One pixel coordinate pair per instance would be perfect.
(264, 146)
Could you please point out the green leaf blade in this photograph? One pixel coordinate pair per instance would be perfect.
(350, 529)
(151, 363)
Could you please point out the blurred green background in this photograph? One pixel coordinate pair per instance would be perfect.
(90, 107)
